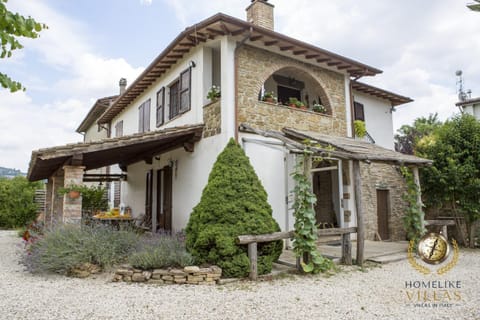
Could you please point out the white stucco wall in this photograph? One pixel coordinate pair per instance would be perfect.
(92, 134)
(378, 119)
(472, 109)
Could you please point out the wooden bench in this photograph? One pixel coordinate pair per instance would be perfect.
(443, 223)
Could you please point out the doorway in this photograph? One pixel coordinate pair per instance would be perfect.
(164, 199)
(383, 213)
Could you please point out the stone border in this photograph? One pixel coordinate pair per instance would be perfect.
(187, 275)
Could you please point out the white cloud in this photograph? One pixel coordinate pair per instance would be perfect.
(146, 2)
(28, 124)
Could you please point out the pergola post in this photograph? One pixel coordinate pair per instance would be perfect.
(357, 183)
(72, 208)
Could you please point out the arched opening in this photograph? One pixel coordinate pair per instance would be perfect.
(295, 88)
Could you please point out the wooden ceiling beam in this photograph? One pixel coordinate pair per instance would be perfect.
(285, 48)
(215, 31)
(334, 63)
(256, 38)
(270, 43)
(312, 56)
(299, 52)
(323, 60)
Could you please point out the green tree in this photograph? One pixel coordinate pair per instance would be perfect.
(12, 27)
(474, 6)
(233, 203)
(454, 178)
(17, 206)
(408, 135)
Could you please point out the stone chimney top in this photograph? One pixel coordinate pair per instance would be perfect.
(260, 13)
(123, 85)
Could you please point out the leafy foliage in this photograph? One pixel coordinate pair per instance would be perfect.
(408, 136)
(17, 205)
(13, 26)
(305, 240)
(412, 220)
(63, 248)
(454, 177)
(160, 251)
(360, 128)
(233, 203)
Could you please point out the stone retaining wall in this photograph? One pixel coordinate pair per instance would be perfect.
(187, 275)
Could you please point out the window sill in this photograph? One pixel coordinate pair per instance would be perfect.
(294, 108)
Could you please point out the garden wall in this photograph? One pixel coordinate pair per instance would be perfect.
(187, 275)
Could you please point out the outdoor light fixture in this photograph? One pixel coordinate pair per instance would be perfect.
(192, 64)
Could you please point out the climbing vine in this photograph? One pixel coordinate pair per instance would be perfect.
(305, 238)
(413, 218)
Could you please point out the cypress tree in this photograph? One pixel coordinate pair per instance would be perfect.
(233, 203)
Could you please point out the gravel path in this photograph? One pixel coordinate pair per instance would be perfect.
(377, 293)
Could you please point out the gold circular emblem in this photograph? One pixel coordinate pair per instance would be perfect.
(433, 248)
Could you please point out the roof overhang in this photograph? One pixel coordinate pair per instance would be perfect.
(224, 25)
(124, 150)
(96, 111)
(394, 98)
(338, 147)
(467, 102)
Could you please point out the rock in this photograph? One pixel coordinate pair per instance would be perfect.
(203, 271)
(191, 269)
(177, 272)
(161, 272)
(216, 269)
(124, 272)
(147, 275)
(117, 277)
(195, 278)
(180, 281)
(138, 277)
(167, 278)
(156, 282)
(77, 273)
(127, 278)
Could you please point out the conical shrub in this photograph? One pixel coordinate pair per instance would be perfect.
(233, 203)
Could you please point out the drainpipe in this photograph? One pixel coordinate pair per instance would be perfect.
(242, 42)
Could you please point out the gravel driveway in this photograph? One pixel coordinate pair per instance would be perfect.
(375, 293)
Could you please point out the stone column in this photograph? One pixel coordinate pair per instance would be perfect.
(72, 208)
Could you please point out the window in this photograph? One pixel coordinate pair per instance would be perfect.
(359, 111)
(119, 129)
(180, 94)
(285, 93)
(144, 117)
(160, 106)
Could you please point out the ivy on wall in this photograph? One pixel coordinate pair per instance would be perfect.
(413, 218)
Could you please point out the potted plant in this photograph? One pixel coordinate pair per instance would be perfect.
(72, 191)
(319, 108)
(292, 102)
(214, 93)
(269, 97)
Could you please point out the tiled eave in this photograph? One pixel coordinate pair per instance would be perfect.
(222, 25)
(394, 98)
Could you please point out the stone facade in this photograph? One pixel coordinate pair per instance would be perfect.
(72, 208)
(381, 176)
(255, 66)
(212, 119)
(187, 275)
(260, 13)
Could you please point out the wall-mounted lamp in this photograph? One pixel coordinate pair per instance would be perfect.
(192, 64)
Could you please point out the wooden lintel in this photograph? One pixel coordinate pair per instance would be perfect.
(189, 146)
(215, 31)
(323, 60)
(255, 38)
(299, 52)
(285, 48)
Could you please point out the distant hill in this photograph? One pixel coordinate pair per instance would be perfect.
(10, 173)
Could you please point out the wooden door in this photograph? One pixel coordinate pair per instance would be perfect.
(149, 197)
(383, 214)
(164, 198)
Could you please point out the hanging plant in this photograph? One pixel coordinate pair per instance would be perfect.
(305, 238)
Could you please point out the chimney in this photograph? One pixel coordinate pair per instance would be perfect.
(260, 13)
(123, 85)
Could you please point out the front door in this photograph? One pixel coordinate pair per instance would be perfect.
(164, 198)
(382, 214)
(148, 198)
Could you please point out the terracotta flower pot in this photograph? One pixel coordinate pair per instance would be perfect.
(74, 194)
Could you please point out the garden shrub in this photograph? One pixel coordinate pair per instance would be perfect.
(160, 251)
(17, 202)
(233, 203)
(63, 248)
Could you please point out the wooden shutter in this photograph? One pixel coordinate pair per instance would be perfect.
(160, 106)
(359, 111)
(174, 100)
(185, 83)
(141, 119)
(146, 116)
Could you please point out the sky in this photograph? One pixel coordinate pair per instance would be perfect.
(91, 44)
